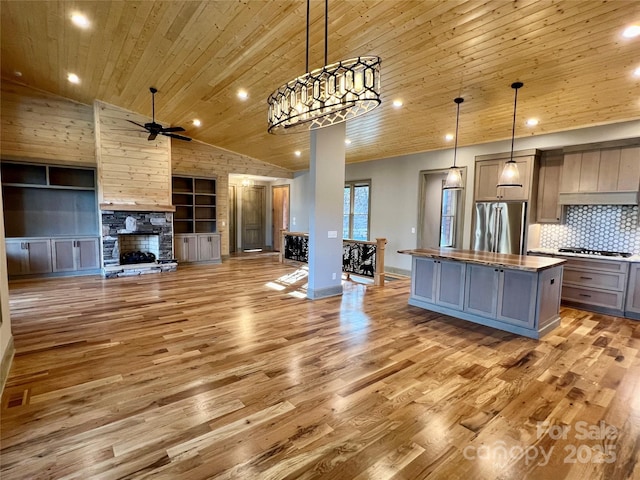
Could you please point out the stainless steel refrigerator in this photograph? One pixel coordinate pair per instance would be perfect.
(500, 227)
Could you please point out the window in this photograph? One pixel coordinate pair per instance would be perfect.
(448, 218)
(356, 210)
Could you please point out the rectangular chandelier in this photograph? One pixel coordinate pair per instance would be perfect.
(332, 94)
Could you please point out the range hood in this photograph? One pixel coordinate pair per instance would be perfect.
(598, 198)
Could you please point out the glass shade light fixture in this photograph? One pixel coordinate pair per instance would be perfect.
(510, 176)
(325, 96)
(454, 175)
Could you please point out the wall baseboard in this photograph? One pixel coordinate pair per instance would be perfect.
(7, 359)
(324, 292)
(397, 271)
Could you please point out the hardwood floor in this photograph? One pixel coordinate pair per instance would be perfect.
(223, 371)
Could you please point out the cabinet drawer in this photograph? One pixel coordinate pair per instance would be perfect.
(584, 278)
(594, 264)
(593, 297)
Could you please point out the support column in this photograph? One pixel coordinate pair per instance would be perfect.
(327, 160)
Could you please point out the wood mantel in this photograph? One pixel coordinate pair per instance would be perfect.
(129, 207)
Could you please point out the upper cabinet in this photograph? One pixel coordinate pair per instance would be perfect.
(548, 209)
(487, 172)
(602, 177)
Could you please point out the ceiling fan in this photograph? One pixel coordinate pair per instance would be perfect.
(156, 129)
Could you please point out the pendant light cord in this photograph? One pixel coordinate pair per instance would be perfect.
(455, 147)
(307, 60)
(326, 31)
(515, 86)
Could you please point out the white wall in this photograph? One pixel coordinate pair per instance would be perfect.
(395, 183)
(6, 339)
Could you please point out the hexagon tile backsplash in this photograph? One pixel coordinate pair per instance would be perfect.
(600, 227)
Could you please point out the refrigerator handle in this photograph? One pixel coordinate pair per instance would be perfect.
(498, 230)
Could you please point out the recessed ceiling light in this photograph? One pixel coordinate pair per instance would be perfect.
(636, 72)
(73, 78)
(196, 122)
(17, 73)
(532, 122)
(347, 141)
(448, 137)
(297, 153)
(80, 20)
(631, 32)
(397, 103)
(243, 94)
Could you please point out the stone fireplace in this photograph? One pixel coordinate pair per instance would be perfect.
(134, 243)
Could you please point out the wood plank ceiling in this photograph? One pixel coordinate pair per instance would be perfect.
(576, 66)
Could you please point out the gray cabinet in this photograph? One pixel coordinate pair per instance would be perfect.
(75, 254)
(603, 177)
(504, 294)
(548, 209)
(439, 281)
(595, 284)
(482, 290)
(186, 248)
(526, 302)
(487, 173)
(28, 256)
(516, 297)
(632, 308)
(197, 247)
(209, 248)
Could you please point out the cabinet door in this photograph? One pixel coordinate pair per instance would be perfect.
(481, 290)
(608, 170)
(186, 248)
(633, 289)
(63, 255)
(424, 279)
(206, 249)
(450, 284)
(629, 173)
(87, 254)
(486, 179)
(589, 170)
(516, 297)
(570, 182)
(39, 256)
(216, 253)
(16, 257)
(548, 209)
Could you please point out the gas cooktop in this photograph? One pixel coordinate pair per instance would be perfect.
(589, 251)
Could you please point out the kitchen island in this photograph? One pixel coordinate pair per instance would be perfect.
(519, 294)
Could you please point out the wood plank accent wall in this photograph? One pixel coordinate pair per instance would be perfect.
(43, 128)
(199, 159)
(133, 172)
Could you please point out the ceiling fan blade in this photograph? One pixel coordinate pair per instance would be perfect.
(179, 137)
(172, 129)
(152, 136)
(138, 124)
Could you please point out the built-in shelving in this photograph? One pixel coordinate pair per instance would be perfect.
(195, 202)
(48, 200)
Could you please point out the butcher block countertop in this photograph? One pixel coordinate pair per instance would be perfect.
(516, 262)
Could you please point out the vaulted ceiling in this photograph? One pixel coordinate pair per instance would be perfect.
(576, 66)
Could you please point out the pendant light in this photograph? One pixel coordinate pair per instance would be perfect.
(454, 176)
(325, 96)
(510, 177)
